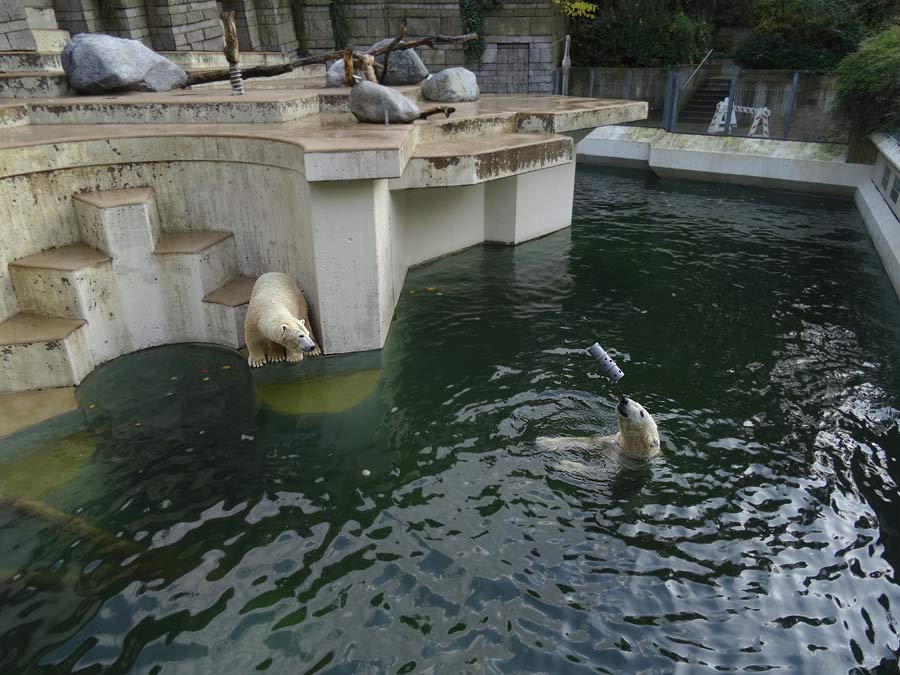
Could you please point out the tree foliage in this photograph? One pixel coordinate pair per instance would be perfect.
(809, 34)
(578, 9)
(869, 82)
(639, 33)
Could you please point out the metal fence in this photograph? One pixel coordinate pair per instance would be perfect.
(721, 100)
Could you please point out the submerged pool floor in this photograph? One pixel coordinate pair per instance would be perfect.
(390, 513)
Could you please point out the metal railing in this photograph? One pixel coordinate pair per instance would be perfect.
(697, 68)
(784, 105)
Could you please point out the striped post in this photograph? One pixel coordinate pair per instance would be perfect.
(237, 80)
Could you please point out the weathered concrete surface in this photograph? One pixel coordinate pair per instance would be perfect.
(451, 85)
(96, 63)
(817, 167)
(370, 102)
(335, 204)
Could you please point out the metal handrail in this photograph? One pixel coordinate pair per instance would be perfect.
(696, 69)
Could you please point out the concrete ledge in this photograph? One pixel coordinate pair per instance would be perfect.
(884, 228)
(810, 167)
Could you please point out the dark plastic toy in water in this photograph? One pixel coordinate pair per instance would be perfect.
(608, 367)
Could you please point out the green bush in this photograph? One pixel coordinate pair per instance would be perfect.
(804, 34)
(869, 82)
(639, 33)
(768, 50)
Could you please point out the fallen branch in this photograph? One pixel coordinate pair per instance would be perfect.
(391, 47)
(428, 112)
(223, 74)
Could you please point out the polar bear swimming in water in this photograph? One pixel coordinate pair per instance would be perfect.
(638, 437)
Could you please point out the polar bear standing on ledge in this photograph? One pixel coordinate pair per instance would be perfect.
(638, 437)
(277, 323)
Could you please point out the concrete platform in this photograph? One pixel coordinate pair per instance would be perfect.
(147, 217)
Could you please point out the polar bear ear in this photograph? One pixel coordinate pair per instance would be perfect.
(303, 322)
(284, 328)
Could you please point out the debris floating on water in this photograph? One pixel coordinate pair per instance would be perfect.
(366, 472)
(608, 367)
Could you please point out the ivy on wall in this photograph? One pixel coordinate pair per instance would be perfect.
(299, 14)
(339, 13)
(471, 13)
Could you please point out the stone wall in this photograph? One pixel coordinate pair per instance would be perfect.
(524, 39)
(185, 25)
(14, 32)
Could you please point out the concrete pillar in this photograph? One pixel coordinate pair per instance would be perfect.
(183, 25)
(352, 232)
(276, 26)
(529, 205)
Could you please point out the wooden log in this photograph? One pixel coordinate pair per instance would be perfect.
(428, 112)
(391, 46)
(232, 51)
(348, 67)
(222, 74)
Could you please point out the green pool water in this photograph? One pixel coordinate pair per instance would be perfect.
(390, 512)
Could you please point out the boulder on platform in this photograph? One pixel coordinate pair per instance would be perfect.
(369, 101)
(451, 84)
(334, 76)
(404, 67)
(96, 63)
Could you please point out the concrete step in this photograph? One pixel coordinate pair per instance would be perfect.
(58, 282)
(38, 4)
(225, 310)
(191, 266)
(47, 40)
(39, 352)
(209, 257)
(33, 84)
(30, 62)
(41, 18)
(120, 223)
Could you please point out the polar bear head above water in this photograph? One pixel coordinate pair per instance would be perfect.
(638, 437)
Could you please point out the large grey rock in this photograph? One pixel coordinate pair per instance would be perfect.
(452, 84)
(96, 63)
(368, 101)
(404, 67)
(334, 76)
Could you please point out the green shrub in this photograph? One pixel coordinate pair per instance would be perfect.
(639, 33)
(768, 50)
(869, 82)
(804, 34)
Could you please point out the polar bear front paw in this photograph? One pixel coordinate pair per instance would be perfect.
(256, 362)
(294, 357)
(315, 352)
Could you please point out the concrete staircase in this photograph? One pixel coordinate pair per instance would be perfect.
(37, 74)
(126, 286)
(699, 109)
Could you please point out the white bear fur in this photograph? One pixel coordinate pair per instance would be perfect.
(638, 437)
(277, 321)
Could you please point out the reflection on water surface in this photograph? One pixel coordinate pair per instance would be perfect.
(229, 526)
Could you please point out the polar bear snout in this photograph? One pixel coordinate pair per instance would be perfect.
(306, 344)
(622, 407)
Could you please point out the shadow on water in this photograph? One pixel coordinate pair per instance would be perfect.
(389, 513)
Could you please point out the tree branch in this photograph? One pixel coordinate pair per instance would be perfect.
(223, 74)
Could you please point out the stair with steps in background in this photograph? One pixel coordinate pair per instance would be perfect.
(127, 285)
(701, 107)
(37, 74)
